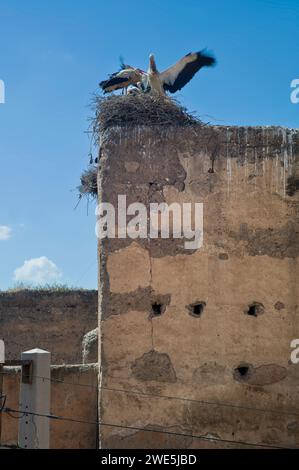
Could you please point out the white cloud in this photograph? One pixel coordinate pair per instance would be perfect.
(37, 270)
(5, 232)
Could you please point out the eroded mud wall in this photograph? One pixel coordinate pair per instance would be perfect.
(228, 311)
(55, 321)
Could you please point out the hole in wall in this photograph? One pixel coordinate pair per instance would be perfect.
(243, 372)
(158, 304)
(157, 309)
(255, 309)
(196, 309)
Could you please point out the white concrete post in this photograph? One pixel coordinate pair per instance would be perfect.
(34, 431)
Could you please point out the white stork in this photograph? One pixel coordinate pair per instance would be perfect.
(123, 79)
(179, 74)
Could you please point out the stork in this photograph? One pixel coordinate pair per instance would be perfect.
(179, 74)
(122, 79)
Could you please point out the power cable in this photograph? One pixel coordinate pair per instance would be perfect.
(172, 397)
(137, 428)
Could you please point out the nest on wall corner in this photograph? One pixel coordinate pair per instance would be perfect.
(88, 183)
(142, 109)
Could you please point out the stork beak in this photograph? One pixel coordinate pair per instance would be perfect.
(152, 59)
(152, 63)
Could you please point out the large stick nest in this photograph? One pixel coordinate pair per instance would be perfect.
(142, 109)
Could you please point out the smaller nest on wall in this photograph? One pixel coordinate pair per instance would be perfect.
(89, 186)
(142, 109)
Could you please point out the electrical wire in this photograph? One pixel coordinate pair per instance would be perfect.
(205, 402)
(195, 436)
(137, 428)
(22, 413)
(3, 397)
(49, 416)
(172, 397)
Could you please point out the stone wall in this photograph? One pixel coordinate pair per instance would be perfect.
(226, 312)
(73, 396)
(54, 321)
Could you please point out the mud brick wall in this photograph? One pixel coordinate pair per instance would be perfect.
(228, 311)
(54, 321)
(74, 396)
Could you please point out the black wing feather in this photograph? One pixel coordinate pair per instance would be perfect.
(113, 81)
(202, 60)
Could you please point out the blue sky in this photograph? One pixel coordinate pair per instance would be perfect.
(52, 56)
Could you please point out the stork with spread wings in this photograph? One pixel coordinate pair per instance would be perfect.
(170, 80)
